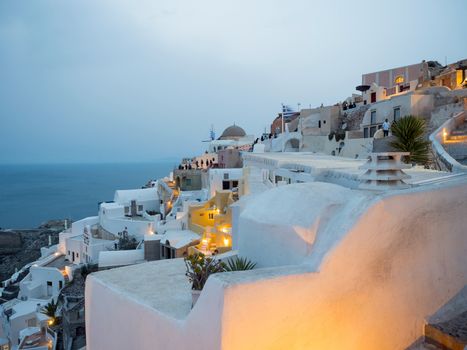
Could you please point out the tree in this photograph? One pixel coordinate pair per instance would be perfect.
(239, 264)
(410, 137)
(50, 309)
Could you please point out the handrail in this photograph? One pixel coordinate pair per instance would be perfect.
(436, 140)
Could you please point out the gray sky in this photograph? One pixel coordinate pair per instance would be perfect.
(106, 81)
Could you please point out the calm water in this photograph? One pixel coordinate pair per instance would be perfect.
(32, 194)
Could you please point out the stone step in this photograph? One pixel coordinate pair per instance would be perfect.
(450, 335)
(458, 137)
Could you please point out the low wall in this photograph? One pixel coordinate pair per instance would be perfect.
(350, 148)
(136, 228)
(135, 325)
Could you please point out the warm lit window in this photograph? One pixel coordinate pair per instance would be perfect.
(399, 79)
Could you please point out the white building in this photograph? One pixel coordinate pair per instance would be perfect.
(21, 319)
(81, 245)
(223, 179)
(395, 108)
(129, 211)
(42, 282)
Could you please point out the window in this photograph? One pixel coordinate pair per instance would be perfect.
(373, 97)
(49, 283)
(365, 132)
(211, 216)
(225, 185)
(319, 123)
(399, 79)
(397, 113)
(68, 252)
(234, 183)
(226, 176)
(373, 117)
(60, 284)
(127, 210)
(140, 208)
(77, 255)
(31, 322)
(188, 182)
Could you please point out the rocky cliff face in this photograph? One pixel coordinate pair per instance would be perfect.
(19, 247)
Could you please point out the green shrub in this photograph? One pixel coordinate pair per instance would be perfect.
(239, 264)
(410, 137)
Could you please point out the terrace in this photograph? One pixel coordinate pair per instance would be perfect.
(42, 339)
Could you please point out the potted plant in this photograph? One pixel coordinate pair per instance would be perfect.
(198, 269)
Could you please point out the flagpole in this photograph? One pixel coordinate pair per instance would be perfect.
(282, 114)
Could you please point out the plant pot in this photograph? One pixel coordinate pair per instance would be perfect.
(194, 297)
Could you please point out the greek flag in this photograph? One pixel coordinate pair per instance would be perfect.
(287, 111)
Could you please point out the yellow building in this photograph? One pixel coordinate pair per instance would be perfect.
(213, 221)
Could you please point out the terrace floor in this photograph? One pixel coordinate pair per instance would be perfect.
(161, 285)
(316, 164)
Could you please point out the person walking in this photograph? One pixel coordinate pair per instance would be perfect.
(386, 127)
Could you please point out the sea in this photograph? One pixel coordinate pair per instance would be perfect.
(33, 194)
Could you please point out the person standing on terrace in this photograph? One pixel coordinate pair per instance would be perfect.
(386, 127)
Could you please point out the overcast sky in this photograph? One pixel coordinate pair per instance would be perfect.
(107, 81)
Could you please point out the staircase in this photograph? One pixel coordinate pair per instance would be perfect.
(456, 143)
(450, 334)
(447, 328)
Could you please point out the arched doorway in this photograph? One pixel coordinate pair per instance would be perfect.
(292, 145)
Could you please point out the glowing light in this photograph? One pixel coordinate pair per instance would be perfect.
(204, 241)
(226, 241)
(51, 322)
(399, 79)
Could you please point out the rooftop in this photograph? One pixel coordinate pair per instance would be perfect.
(161, 285)
(232, 131)
(323, 166)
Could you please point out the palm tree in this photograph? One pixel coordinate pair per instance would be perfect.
(410, 137)
(50, 309)
(239, 264)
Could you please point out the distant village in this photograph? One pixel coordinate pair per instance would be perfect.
(341, 227)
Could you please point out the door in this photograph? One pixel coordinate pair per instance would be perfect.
(133, 208)
(373, 97)
(73, 256)
(49, 288)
